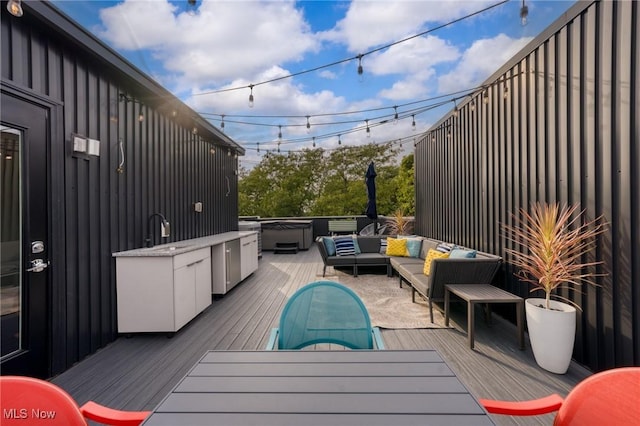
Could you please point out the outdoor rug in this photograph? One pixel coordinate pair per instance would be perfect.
(389, 305)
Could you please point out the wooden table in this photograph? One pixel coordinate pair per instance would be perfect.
(321, 388)
(483, 293)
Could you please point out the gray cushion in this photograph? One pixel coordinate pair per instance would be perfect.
(372, 259)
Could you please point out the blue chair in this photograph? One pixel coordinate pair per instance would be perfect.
(325, 312)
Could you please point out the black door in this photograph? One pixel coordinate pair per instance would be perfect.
(24, 237)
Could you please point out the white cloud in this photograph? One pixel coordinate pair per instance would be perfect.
(374, 23)
(479, 61)
(225, 40)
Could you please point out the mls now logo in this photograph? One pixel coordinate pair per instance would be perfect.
(23, 413)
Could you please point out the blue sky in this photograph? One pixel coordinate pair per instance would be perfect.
(209, 54)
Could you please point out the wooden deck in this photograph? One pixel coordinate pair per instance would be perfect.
(137, 372)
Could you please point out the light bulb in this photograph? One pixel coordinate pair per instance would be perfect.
(15, 8)
(524, 13)
(485, 96)
(395, 117)
(339, 140)
(413, 123)
(308, 125)
(251, 96)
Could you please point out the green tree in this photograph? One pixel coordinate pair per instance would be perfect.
(404, 184)
(281, 185)
(320, 183)
(344, 190)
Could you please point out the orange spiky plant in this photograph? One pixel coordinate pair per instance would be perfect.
(399, 224)
(556, 242)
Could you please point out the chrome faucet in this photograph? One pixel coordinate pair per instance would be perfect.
(164, 228)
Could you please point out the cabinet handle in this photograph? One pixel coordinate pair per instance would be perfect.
(195, 263)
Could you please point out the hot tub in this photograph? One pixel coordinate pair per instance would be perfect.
(287, 231)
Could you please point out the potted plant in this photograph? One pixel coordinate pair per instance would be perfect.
(556, 241)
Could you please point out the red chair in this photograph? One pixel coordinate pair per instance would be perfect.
(611, 397)
(29, 401)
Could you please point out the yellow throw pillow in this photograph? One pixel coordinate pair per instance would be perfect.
(396, 247)
(432, 254)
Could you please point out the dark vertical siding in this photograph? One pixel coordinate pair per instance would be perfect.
(99, 211)
(568, 131)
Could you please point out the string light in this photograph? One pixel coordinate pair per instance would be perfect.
(15, 8)
(339, 140)
(485, 96)
(360, 69)
(314, 142)
(524, 13)
(141, 115)
(251, 96)
(413, 122)
(222, 122)
(505, 90)
(308, 125)
(194, 130)
(258, 145)
(279, 132)
(395, 117)
(278, 146)
(455, 108)
(368, 130)
(472, 105)
(360, 56)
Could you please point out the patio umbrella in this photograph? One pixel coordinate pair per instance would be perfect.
(372, 209)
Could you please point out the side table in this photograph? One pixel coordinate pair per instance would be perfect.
(483, 293)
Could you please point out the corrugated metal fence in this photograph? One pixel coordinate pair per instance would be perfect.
(559, 122)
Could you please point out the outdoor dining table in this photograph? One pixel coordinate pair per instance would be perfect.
(324, 388)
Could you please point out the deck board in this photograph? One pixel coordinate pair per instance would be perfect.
(137, 372)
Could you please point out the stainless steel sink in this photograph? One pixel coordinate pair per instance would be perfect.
(167, 248)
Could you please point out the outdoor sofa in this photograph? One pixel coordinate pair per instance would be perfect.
(448, 263)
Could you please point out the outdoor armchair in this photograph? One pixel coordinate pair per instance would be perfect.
(611, 397)
(325, 312)
(30, 401)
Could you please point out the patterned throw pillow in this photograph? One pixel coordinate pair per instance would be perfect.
(432, 254)
(383, 245)
(445, 247)
(413, 247)
(329, 245)
(396, 247)
(344, 246)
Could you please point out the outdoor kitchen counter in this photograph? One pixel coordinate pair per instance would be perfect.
(162, 288)
(184, 246)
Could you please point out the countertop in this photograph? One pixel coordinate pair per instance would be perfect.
(184, 246)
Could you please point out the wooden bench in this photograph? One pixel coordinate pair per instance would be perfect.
(483, 293)
(343, 226)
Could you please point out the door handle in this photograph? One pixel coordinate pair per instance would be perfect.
(38, 265)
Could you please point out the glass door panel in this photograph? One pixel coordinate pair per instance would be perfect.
(11, 242)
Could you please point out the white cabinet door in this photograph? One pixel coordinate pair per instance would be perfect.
(248, 255)
(184, 300)
(203, 284)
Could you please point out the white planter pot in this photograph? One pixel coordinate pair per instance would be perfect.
(552, 333)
